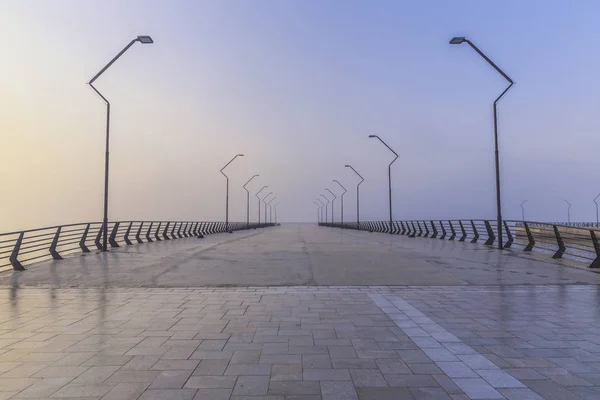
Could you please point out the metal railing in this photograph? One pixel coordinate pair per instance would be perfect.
(559, 240)
(22, 248)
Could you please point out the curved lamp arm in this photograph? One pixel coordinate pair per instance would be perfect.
(386, 145)
(236, 156)
(333, 194)
(342, 186)
(356, 172)
(254, 176)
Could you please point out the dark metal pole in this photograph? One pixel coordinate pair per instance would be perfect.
(275, 207)
(142, 39)
(257, 193)
(568, 212)
(318, 212)
(321, 208)
(523, 210)
(326, 209)
(271, 210)
(248, 200)
(342, 186)
(227, 193)
(332, 203)
(357, 194)
(459, 40)
(597, 222)
(389, 178)
(265, 203)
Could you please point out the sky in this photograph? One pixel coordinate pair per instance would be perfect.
(297, 87)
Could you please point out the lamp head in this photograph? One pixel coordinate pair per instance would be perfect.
(372, 136)
(240, 155)
(457, 40)
(347, 166)
(145, 39)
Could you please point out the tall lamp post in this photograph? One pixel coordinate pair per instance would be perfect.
(523, 210)
(326, 204)
(597, 222)
(271, 210)
(568, 212)
(275, 207)
(143, 40)
(257, 193)
(332, 204)
(321, 208)
(265, 203)
(248, 200)
(389, 177)
(342, 214)
(227, 193)
(318, 212)
(459, 40)
(357, 194)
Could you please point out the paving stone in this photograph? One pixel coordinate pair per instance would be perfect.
(499, 379)
(367, 378)
(171, 394)
(73, 390)
(170, 380)
(245, 357)
(550, 390)
(126, 391)
(175, 365)
(338, 390)
(294, 388)
(43, 387)
(429, 394)
(213, 394)
(326, 374)
(211, 367)
(384, 394)
(286, 372)
(251, 386)
(477, 388)
(410, 381)
(249, 369)
(456, 369)
(318, 361)
(211, 382)
(520, 394)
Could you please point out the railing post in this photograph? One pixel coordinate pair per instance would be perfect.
(420, 230)
(435, 232)
(54, 244)
(490, 233)
(426, 229)
(148, 237)
(475, 233)
(157, 233)
(596, 262)
(201, 226)
(530, 238)
(560, 242)
(443, 230)
(453, 232)
(463, 231)
(17, 266)
(194, 229)
(414, 229)
(166, 231)
(113, 235)
(82, 245)
(173, 236)
(402, 229)
(139, 233)
(509, 235)
(126, 237)
(98, 237)
(179, 230)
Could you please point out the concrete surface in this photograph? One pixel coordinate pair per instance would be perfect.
(301, 255)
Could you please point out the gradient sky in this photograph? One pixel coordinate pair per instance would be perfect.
(297, 86)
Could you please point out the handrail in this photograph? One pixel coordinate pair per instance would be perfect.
(579, 241)
(53, 242)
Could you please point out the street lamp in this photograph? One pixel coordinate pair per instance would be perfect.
(597, 222)
(328, 201)
(321, 208)
(227, 193)
(265, 203)
(342, 186)
(275, 207)
(523, 210)
(389, 177)
(318, 212)
(271, 210)
(568, 212)
(357, 194)
(248, 200)
(459, 40)
(143, 40)
(257, 193)
(332, 204)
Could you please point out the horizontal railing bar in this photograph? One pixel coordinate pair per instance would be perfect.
(48, 227)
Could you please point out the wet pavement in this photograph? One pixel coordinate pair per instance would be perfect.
(453, 321)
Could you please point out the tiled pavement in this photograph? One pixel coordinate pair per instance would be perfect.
(284, 343)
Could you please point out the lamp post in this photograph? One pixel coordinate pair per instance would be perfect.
(342, 214)
(595, 202)
(248, 200)
(318, 212)
(227, 193)
(357, 194)
(265, 203)
(332, 204)
(143, 40)
(321, 208)
(257, 193)
(326, 211)
(389, 177)
(459, 40)
(275, 207)
(523, 210)
(271, 210)
(568, 212)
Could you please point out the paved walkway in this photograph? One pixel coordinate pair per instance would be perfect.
(301, 255)
(468, 332)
